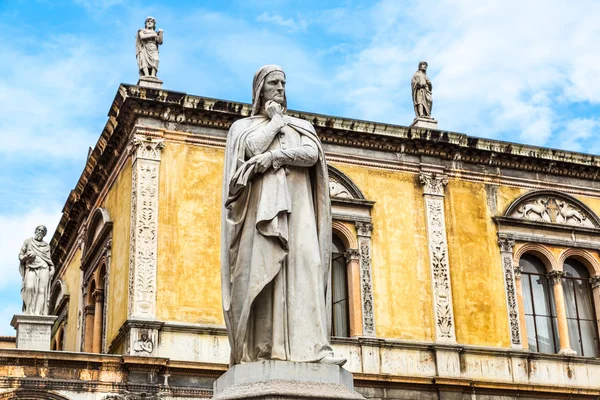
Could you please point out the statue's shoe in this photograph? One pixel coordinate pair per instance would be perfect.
(333, 360)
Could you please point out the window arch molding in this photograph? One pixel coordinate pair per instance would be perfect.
(95, 266)
(540, 251)
(352, 223)
(584, 257)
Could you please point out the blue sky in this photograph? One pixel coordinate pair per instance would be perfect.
(522, 71)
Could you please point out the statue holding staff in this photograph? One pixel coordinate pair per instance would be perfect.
(276, 233)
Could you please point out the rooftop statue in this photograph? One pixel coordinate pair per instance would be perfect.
(147, 41)
(36, 269)
(421, 92)
(276, 233)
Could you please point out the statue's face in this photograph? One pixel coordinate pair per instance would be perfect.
(274, 87)
(40, 232)
(150, 24)
(423, 67)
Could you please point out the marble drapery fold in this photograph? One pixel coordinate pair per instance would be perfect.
(276, 238)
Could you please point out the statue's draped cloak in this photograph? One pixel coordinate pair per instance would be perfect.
(255, 257)
(421, 93)
(42, 260)
(146, 51)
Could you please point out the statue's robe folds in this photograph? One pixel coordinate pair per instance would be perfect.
(421, 93)
(36, 272)
(276, 238)
(146, 48)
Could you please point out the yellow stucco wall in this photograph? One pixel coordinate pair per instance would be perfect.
(72, 278)
(475, 266)
(189, 218)
(401, 277)
(118, 205)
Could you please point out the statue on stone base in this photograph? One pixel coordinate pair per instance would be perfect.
(421, 92)
(36, 269)
(276, 233)
(147, 41)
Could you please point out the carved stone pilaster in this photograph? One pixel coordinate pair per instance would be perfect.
(146, 154)
(352, 255)
(363, 230)
(595, 281)
(433, 190)
(506, 253)
(556, 277)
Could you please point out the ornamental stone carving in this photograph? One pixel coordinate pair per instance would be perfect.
(352, 255)
(556, 277)
(364, 230)
(553, 208)
(595, 281)
(433, 184)
(433, 187)
(336, 189)
(144, 225)
(506, 248)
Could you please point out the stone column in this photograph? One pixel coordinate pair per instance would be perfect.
(146, 153)
(506, 253)
(433, 192)
(561, 313)
(363, 230)
(517, 269)
(354, 297)
(98, 311)
(595, 282)
(88, 334)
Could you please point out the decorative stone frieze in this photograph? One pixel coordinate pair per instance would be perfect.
(144, 225)
(433, 191)
(363, 230)
(506, 253)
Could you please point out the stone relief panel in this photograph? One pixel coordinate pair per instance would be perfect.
(553, 208)
(144, 225)
(506, 252)
(433, 190)
(364, 230)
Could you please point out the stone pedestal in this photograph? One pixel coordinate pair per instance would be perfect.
(285, 380)
(150, 81)
(34, 332)
(424, 122)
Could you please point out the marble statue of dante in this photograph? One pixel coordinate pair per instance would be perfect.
(421, 92)
(36, 269)
(276, 233)
(146, 48)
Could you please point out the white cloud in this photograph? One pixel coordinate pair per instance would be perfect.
(577, 130)
(497, 66)
(15, 229)
(290, 24)
(7, 311)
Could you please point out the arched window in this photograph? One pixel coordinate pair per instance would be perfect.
(540, 315)
(583, 332)
(339, 292)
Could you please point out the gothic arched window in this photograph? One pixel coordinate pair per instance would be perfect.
(583, 332)
(540, 315)
(340, 325)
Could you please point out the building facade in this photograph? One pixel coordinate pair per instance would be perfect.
(463, 268)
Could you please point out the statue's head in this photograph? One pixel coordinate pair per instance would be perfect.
(268, 84)
(40, 232)
(423, 66)
(150, 23)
